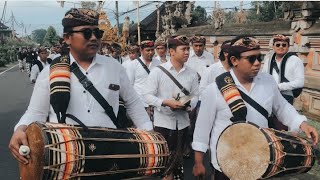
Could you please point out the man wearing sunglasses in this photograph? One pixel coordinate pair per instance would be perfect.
(287, 70)
(292, 70)
(51, 93)
(228, 92)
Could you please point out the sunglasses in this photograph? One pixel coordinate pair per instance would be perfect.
(87, 33)
(253, 58)
(281, 44)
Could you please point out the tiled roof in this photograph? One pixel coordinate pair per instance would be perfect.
(262, 28)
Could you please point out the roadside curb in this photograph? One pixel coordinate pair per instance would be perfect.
(8, 66)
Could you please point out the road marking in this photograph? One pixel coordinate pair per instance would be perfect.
(8, 69)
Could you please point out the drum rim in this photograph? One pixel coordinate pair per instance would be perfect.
(30, 129)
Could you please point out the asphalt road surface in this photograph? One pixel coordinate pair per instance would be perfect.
(15, 93)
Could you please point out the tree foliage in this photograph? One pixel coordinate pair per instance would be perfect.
(51, 37)
(199, 16)
(88, 4)
(38, 35)
(262, 11)
(268, 10)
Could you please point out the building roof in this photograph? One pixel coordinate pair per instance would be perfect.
(261, 28)
(150, 22)
(3, 27)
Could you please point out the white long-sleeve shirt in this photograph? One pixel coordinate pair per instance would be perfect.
(103, 72)
(214, 114)
(210, 75)
(294, 72)
(138, 75)
(35, 71)
(199, 64)
(160, 87)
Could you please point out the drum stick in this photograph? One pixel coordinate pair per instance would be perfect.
(24, 150)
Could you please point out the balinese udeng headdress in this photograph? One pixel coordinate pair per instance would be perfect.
(198, 39)
(79, 17)
(115, 47)
(147, 44)
(178, 41)
(60, 66)
(280, 37)
(160, 42)
(224, 49)
(225, 46)
(133, 48)
(244, 44)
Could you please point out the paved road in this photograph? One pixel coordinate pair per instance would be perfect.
(15, 92)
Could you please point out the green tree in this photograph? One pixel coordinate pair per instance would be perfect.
(38, 35)
(51, 37)
(268, 10)
(88, 4)
(199, 16)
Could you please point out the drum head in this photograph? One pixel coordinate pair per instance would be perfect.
(243, 152)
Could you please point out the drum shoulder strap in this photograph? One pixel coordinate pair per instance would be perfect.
(254, 104)
(143, 65)
(184, 90)
(226, 83)
(60, 87)
(227, 88)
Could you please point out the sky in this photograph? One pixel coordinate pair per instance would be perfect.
(41, 14)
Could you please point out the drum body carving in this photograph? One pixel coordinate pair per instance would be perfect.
(60, 151)
(245, 151)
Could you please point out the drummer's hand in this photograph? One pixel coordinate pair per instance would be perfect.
(173, 104)
(310, 131)
(19, 138)
(199, 170)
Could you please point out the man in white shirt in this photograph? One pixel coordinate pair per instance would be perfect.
(293, 68)
(55, 52)
(42, 62)
(133, 53)
(217, 68)
(287, 70)
(105, 49)
(200, 59)
(139, 69)
(171, 116)
(215, 114)
(115, 52)
(161, 50)
(81, 32)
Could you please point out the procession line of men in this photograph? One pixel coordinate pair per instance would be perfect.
(34, 60)
(171, 86)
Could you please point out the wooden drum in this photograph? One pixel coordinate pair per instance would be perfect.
(247, 152)
(60, 151)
